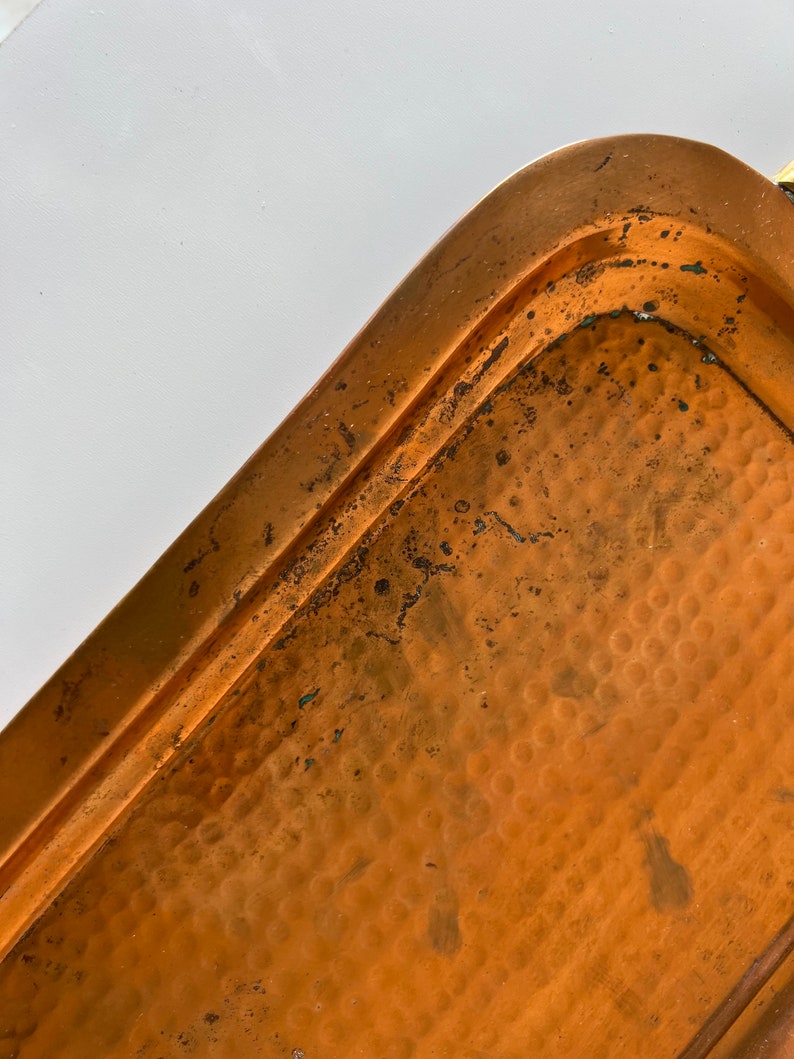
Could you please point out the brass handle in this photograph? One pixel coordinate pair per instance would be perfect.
(785, 177)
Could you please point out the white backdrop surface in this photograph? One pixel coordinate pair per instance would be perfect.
(202, 202)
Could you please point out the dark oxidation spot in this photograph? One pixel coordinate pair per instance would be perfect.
(496, 353)
(71, 693)
(445, 548)
(382, 586)
(347, 434)
(697, 268)
(587, 273)
(502, 457)
(194, 587)
(650, 307)
(669, 881)
(462, 506)
(211, 1017)
(513, 532)
(683, 406)
(653, 367)
(479, 526)
(352, 568)
(410, 599)
(214, 547)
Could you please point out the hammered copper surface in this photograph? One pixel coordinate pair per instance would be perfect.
(509, 773)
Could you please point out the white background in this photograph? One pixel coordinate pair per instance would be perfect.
(202, 202)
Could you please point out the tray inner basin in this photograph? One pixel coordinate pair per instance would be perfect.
(514, 781)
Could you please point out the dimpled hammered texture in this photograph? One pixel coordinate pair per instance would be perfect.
(510, 783)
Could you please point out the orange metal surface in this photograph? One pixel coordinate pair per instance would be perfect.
(460, 723)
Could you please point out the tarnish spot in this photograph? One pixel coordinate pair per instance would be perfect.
(569, 684)
(670, 884)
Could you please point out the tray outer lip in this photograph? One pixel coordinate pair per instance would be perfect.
(93, 736)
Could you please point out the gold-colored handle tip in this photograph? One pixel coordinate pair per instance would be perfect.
(785, 176)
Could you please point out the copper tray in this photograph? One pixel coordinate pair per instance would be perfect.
(460, 723)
